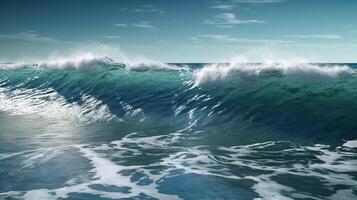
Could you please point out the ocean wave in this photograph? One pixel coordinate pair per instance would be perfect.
(74, 62)
(221, 72)
(89, 61)
(151, 65)
(180, 97)
(12, 66)
(79, 62)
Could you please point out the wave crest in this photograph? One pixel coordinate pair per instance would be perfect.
(78, 62)
(149, 65)
(90, 61)
(220, 72)
(75, 62)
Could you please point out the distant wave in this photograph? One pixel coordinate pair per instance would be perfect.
(89, 61)
(77, 62)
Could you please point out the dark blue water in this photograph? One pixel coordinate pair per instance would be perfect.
(101, 130)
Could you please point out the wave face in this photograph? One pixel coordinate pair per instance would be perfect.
(313, 100)
(141, 130)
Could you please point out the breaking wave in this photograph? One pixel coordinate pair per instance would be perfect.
(219, 72)
(193, 96)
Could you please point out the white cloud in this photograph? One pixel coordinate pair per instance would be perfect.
(110, 36)
(147, 8)
(259, 1)
(321, 36)
(121, 25)
(225, 26)
(230, 19)
(230, 4)
(229, 38)
(32, 36)
(224, 7)
(143, 24)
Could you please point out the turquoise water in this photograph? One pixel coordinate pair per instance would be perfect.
(101, 130)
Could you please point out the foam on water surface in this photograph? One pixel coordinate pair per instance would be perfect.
(258, 163)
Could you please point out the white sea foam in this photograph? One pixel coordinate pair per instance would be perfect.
(351, 144)
(105, 173)
(221, 72)
(326, 164)
(143, 65)
(82, 61)
(11, 66)
(200, 160)
(88, 61)
(342, 194)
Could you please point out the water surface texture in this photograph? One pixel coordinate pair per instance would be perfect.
(95, 129)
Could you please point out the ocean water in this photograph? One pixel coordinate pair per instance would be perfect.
(96, 129)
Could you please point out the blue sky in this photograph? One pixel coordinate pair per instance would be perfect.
(182, 31)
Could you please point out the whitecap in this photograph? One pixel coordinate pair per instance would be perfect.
(221, 72)
(351, 144)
